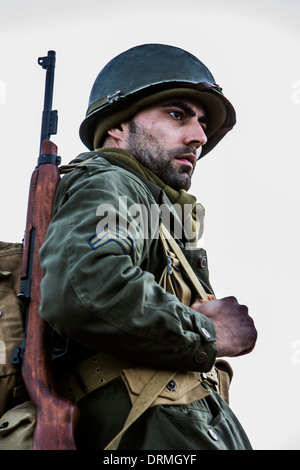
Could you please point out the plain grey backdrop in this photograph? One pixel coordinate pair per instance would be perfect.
(249, 184)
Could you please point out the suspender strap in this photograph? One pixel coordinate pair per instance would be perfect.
(225, 374)
(143, 402)
(184, 263)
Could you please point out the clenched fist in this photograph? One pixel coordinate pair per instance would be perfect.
(235, 330)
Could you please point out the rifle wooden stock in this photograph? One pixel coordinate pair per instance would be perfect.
(56, 417)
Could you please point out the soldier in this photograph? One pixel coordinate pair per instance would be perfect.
(142, 334)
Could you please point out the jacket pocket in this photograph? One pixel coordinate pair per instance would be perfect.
(184, 388)
(17, 428)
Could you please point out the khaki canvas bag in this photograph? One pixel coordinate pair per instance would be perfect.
(17, 415)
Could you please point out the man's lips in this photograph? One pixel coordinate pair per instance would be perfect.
(188, 159)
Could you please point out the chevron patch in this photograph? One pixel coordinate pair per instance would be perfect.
(107, 236)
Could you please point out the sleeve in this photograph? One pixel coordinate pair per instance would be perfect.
(95, 292)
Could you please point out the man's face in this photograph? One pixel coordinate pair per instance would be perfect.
(167, 138)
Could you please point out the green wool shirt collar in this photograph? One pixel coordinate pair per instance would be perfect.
(181, 197)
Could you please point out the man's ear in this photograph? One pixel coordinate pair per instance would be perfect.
(118, 133)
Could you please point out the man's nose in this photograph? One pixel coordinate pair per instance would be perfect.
(196, 135)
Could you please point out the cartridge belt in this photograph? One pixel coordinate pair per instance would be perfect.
(89, 375)
(100, 369)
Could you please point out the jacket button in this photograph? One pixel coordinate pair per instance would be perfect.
(203, 262)
(172, 386)
(205, 333)
(200, 357)
(212, 434)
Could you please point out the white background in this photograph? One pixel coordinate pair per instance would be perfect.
(248, 184)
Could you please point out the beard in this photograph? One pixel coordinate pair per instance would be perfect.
(153, 153)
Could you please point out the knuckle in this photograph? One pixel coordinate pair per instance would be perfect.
(252, 337)
(231, 299)
(244, 309)
(254, 333)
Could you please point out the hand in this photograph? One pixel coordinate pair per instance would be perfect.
(235, 331)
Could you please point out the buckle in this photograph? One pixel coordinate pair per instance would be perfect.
(211, 378)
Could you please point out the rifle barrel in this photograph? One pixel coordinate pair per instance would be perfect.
(49, 117)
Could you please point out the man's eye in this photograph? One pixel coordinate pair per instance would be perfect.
(176, 114)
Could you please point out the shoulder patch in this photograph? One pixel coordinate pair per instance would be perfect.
(107, 236)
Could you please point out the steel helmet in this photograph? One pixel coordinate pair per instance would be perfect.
(148, 73)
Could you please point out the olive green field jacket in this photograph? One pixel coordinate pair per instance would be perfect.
(102, 291)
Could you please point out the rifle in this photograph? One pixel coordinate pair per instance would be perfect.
(56, 417)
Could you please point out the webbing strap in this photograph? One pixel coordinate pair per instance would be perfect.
(224, 383)
(64, 169)
(225, 374)
(185, 264)
(152, 389)
(171, 279)
(91, 374)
